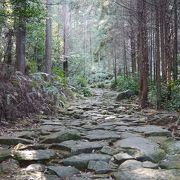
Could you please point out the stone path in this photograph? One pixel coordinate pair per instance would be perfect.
(98, 138)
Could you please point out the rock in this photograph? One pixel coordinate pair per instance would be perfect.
(100, 167)
(173, 147)
(130, 165)
(36, 176)
(35, 167)
(102, 135)
(161, 140)
(61, 136)
(31, 146)
(81, 161)
(148, 150)
(171, 162)
(148, 164)
(4, 154)
(9, 166)
(152, 130)
(109, 150)
(34, 155)
(7, 140)
(77, 147)
(125, 95)
(27, 134)
(51, 122)
(64, 172)
(110, 118)
(121, 157)
(50, 128)
(146, 174)
(134, 164)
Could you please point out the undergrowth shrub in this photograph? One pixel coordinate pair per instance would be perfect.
(170, 95)
(174, 102)
(126, 83)
(22, 95)
(81, 86)
(99, 78)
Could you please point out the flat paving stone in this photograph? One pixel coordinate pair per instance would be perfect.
(34, 155)
(63, 171)
(78, 147)
(102, 135)
(4, 154)
(61, 136)
(100, 167)
(147, 174)
(8, 140)
(149, 150)
(81, 161)
(121, 157)
(152, 130)
(171, 162)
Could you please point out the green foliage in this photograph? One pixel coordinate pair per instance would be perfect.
(54, 86)
(81, 85)
(81, 81)
(126, 83)
(174, 102)
(100, 77)
(170, 95)
(28, 8)
(152, 95)
(32, 66)
(59, 75)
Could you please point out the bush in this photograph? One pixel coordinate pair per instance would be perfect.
(99, 77)
(21, 96)
(126, 83)
(174, 102)
(170, 95)
(80, 85)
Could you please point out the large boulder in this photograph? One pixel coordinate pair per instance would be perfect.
(125, 95)
(147, 150)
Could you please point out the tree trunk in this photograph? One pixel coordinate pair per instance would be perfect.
(175, 62)
(158, 76)
(133, 51)
(8, 53)
(142, 26)
(48, 51)
(20, 44)
(66, 15)
(162, 34)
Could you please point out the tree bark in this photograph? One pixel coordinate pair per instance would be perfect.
(48, 50)
(143, 52)
(66, 15)
(8, 53)
(20, 44)
(158, 76)
(175, 62)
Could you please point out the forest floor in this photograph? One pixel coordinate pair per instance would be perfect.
(94, 138)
